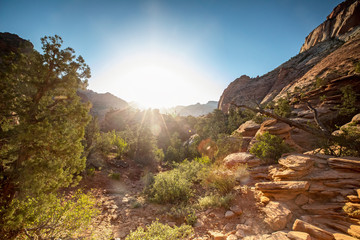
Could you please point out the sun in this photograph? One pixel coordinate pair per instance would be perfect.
(156, 79)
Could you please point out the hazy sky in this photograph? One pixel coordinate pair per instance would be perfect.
(173, 52)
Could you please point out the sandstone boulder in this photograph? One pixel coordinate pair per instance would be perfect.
(297, 162)
(284, 190)
(248, 129)
(241, 158)
(217, 235)
(315, 232)
(277, 215)
(295, 235)
(352, 163)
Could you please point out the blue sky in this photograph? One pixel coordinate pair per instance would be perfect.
(163, 53)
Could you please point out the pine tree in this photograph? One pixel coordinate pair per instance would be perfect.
(42, 124)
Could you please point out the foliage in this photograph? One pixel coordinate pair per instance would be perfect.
(215, 200)
(170, 187)
(114, 175)
(112, 140)
(51, 216)
(161, 231)
(227, 145)
(175, 152)
(348, 105)
(184, 212)
(282, 108)
(346, 143)
(357, 67)
(269, 147)
(220, 179)
(212, 125)
(42, 123)
(319, 82)
(91, 138)
(175, 185)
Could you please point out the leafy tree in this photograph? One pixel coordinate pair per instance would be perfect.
(42, 125)
(269, 147)
(348, 101)
(283, 108)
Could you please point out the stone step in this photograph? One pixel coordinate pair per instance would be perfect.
(352, 163)
(284, 190)
(324, 209)
(314, 231)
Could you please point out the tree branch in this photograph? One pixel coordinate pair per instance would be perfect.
(306, 128)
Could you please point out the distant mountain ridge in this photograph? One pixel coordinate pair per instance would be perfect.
(102, 102)
(195, 110)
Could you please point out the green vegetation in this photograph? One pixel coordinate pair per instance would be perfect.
(175, 185)
(161, 231)
(357, 67)
(320, 82)
(269, 147)
(184, 212)
(42, 122)
(282, 108)
(348, 105)
(220, 179)
(215, 200)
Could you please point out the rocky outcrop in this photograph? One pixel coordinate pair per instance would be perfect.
(343, 19)
(241, 158)
(328, 58)
(13, 43)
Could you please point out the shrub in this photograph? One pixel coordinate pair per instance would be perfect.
(215, 200)
(52, 216)
(191, 171)
(357, 67)
(269, 147)
(170, 187)
(220, 179)
(319, 82)
(227, 144)
(283, 108)
(161, 231)
(184, 212)
(348, 101)
(114, 175)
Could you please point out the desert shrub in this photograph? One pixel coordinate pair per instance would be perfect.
(219, 179)
(227, 144)
(283, 108)
(114, 175)
(347, 143)
(191, 170)
(185, 213)
(52, 216)
(348, 105)
(161, 231)
(170, 187)
(357, 67)
(215, 200)
(269, 147)
(319, 82)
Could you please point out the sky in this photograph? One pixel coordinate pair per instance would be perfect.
(162, 53)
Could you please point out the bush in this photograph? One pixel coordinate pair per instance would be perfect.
(227, 144)
(185, 213)
(269, 147)
(215, 200)
(221, 180)
(170, 187)
(161, 231)
(52, 216)
(348, 105)
(283, 108)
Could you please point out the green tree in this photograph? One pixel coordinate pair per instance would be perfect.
(42, 125)
(283, 108)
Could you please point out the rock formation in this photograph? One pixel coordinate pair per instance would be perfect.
(332, 50)
(343, 19)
